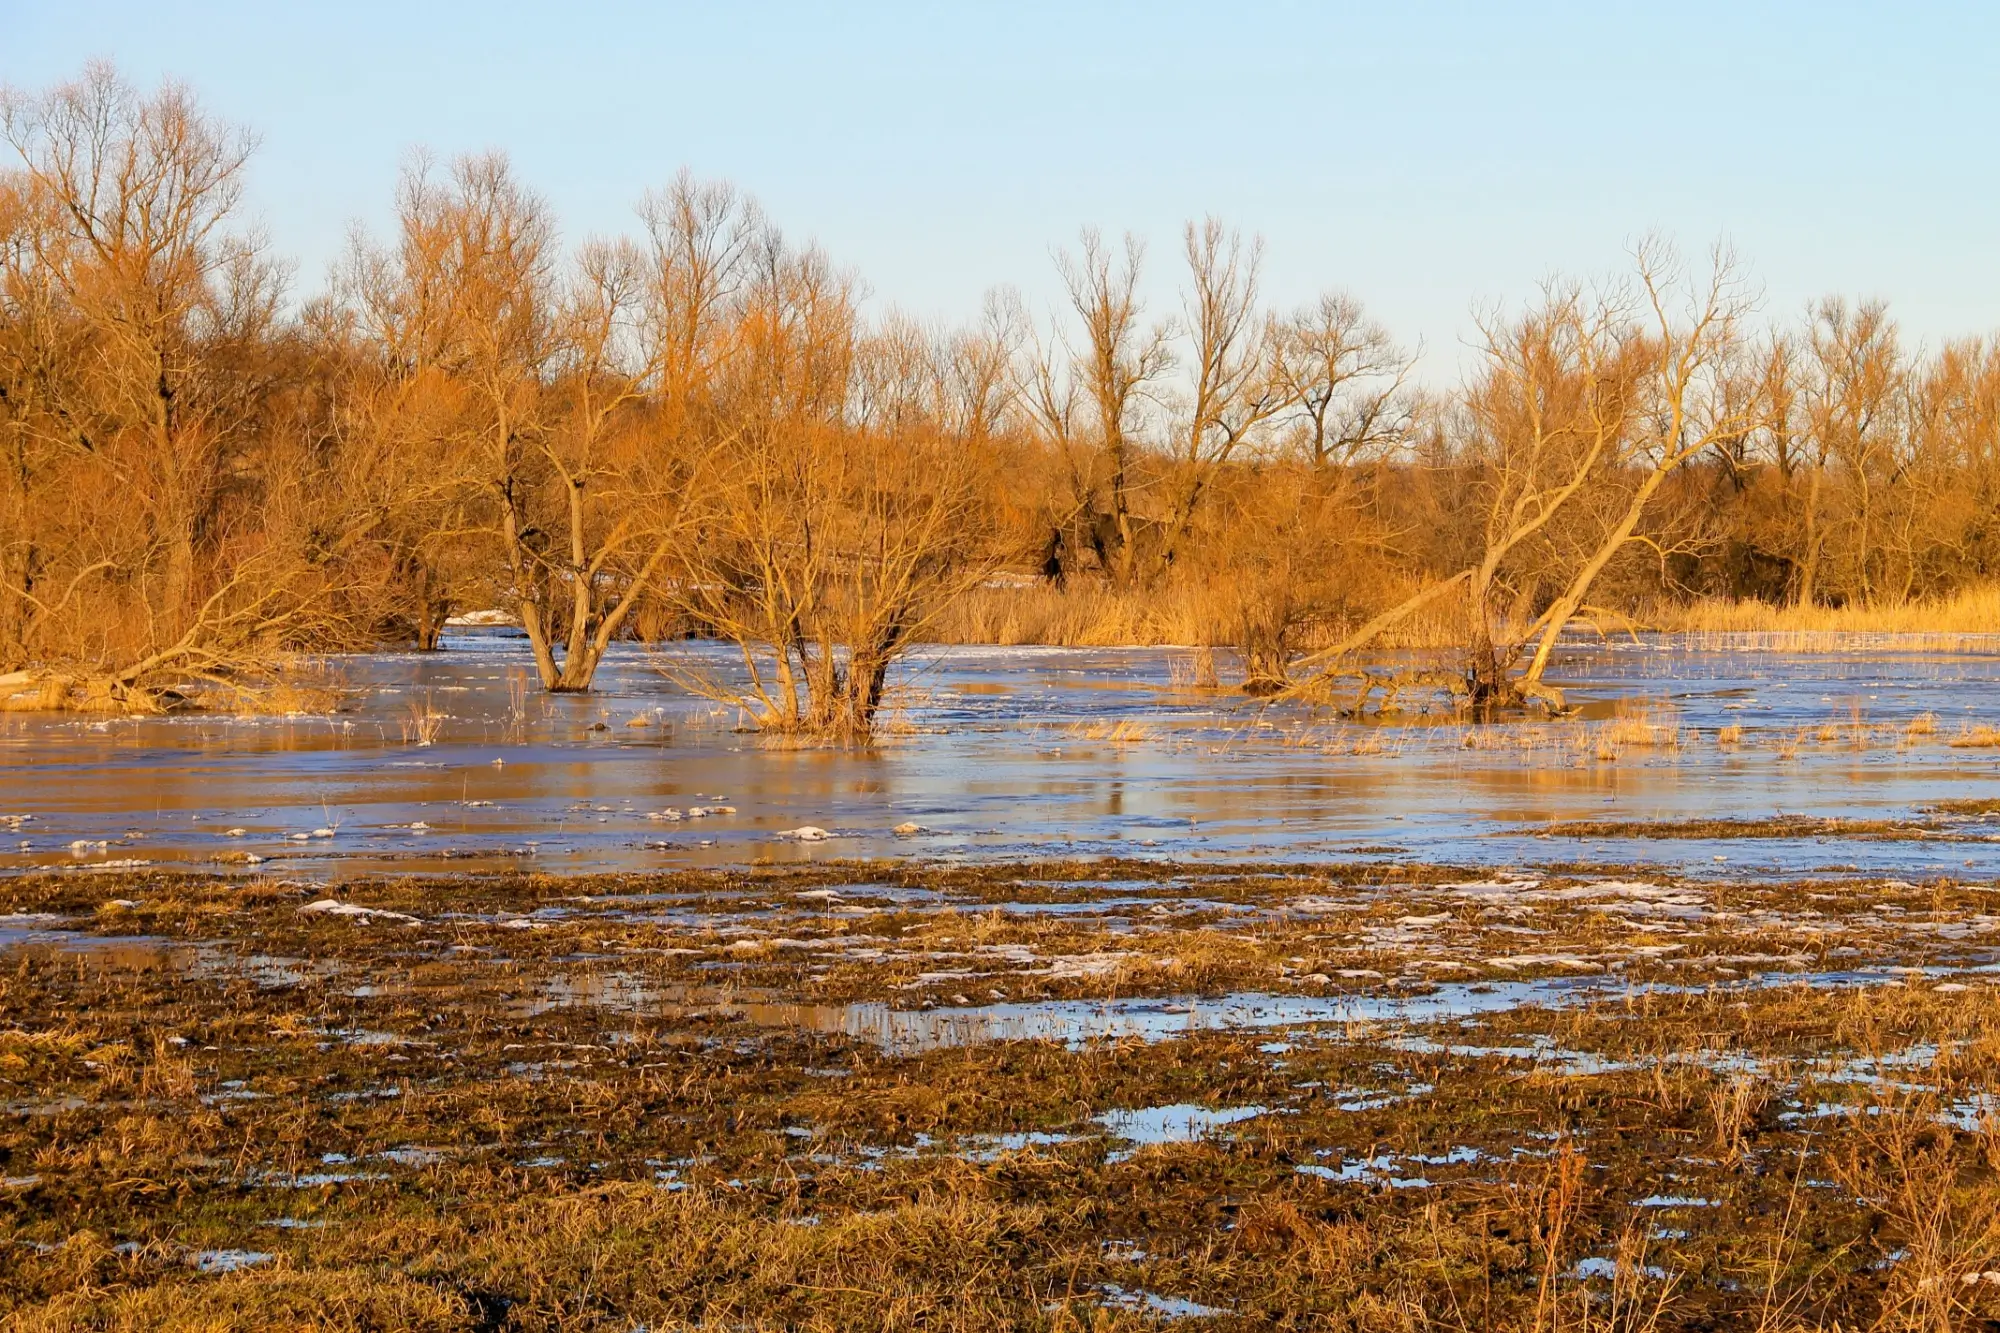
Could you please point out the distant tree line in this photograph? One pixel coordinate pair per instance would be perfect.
(696, 429)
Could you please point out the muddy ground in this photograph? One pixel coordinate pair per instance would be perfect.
(1064, 1095)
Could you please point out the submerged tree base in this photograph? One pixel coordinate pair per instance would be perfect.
(1356, 692)
(54, 691)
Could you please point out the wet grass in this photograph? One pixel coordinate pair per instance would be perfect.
(1776, 826)
(1968, 808)
(545, 1103)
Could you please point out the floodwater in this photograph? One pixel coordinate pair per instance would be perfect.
(1078, 1023)
(1005, 754)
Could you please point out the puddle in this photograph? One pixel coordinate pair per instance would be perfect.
(1392, 1171)
(992, 1147)
(1070, 1023)
(50, 1106)
(1160, 1307)
(315, 1179)
(1379, 1170)
(1076, 1023)
(1115, 906)
(1599, 1267)
(68, 944)
(19, 928)
(227, 1261)
(1180, 1123)
(1067, 1022)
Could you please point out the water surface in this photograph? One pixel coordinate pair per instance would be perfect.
(1004, 753)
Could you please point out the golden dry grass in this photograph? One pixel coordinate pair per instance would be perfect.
(1966, 620)
(809, 1202)
(1638, 728)
(1090, 614)
(1125, 731)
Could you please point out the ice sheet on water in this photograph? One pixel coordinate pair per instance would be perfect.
(1181, 1122)
(1162, 1307)
(227, 1261)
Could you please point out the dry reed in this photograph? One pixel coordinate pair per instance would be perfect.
(1966, 621)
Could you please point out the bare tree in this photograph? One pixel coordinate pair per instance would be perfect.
(139, 324)
(1235, 390)
(702, 238)
(1346, 380)
(542, 378)
(836, 515)
(1852, 390)
(1545, 417)
(617, 486)
(1695, 398)
(1103, 393)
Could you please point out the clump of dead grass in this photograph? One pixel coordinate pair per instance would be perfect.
(1125, 731)
(1637, 727)
(1194, 671)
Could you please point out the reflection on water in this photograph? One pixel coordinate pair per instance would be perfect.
(1182, 1122)
(1076, 1023)
(1072, 1023)
(994, 753)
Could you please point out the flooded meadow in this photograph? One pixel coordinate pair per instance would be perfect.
(452, 761)
(1087, 1000)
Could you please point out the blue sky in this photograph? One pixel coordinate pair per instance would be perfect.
(1428, 157)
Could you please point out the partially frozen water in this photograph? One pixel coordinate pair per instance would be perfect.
(227, 1261)
(1180, 1123)
(1076, 1023)
(1003, 753)
(1160, 1307)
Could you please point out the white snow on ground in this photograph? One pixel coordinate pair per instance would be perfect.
(331, 907)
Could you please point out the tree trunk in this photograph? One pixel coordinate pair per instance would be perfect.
(1807, 590)
(433, 609)
(1579, 587)
(1489, 683)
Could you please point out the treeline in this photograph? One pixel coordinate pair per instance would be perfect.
(698, 429)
